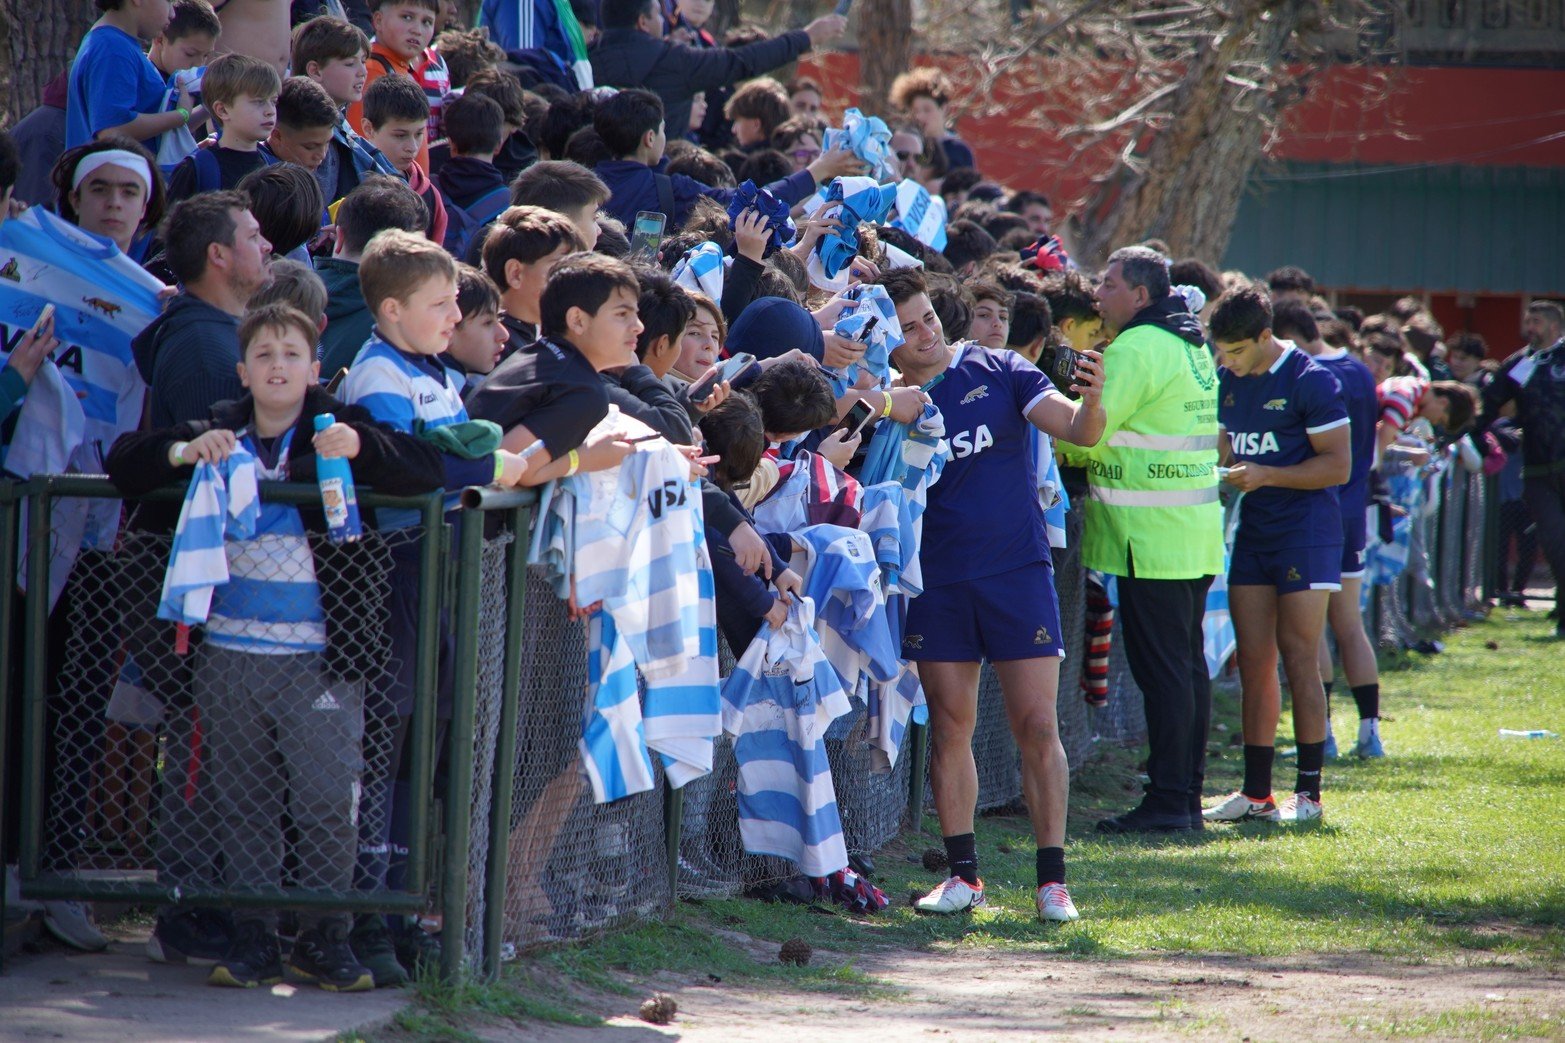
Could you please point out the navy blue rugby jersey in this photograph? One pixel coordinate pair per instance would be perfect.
(1361, 402)
(983, 516)
(1269, 418)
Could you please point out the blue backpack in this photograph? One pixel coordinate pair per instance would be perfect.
(464, 223)
(209, 176)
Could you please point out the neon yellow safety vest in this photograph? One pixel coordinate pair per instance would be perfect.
(1152, 492)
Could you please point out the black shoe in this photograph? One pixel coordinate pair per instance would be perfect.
(1140, 820)
(418, 950)
(195, 936)
(253, 959)
(1197, 820)
(372, 946)
(322, 954)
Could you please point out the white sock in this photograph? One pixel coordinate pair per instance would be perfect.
(1369, 727)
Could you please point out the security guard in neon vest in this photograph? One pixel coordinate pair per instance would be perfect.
(1153, 519)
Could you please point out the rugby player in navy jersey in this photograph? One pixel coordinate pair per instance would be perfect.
(989, 583)
(1286, 439)
(1292, 320)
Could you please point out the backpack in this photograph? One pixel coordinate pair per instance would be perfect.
(463, 224)
(460, 226)
(209, 176)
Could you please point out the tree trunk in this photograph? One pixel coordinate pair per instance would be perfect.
(885, 37)
(43, 38)
(1190, 179)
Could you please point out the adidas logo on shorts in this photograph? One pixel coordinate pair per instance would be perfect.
(326, 701)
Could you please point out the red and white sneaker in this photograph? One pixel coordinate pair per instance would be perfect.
(1054, 904)
(1300, 807)
(1237, 807)
(953, 895)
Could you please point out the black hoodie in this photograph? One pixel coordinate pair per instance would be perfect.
(188, 357)
(1171, 314)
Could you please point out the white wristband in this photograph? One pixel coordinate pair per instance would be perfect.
(176, 454)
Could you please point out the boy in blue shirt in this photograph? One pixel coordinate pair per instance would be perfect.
(114, 87)
(410, 286)
(279, 678)
(1287, 437)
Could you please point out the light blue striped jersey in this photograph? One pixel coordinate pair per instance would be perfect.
(222, 503)
(409, 392)
(843, 579)
(634, 538)
(102, 299)
(271, 604)
(777, 705)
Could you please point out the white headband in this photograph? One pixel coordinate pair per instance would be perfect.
(113, 157)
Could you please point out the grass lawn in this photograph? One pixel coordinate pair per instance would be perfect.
(1450, 850)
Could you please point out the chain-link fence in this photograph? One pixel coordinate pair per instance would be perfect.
(246, 760)
(132, 768)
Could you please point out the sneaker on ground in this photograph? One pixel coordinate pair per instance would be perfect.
(195, 936)
(1237, 807)
(253, 959)
(1055, 905)
(1369, 748)
(71, 922)
(322, 954)
(953, 895)
(1330, 752)
(372, 946)
(1299, 807)
(418, 950)
(14, 902)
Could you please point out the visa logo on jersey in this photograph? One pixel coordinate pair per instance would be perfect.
(969, 443)
(1253, 443)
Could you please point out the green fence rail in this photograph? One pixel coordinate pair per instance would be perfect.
(474, 579)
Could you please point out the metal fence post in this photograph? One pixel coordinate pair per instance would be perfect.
(1491, 537)
(34, 654)
(426, 673)
(915, 793)
(500, 805)
(9, 501)
(459, 789)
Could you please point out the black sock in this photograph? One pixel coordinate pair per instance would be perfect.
(1258, 771)
(962, 853)
(1311, 756)
(1051, 865)
(1327, 686)
(1368, 698)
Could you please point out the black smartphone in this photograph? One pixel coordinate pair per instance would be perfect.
(646, 234)
(734, 370)
(857, 418)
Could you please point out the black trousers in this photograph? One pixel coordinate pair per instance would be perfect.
(1545, 499)
(1161, 623)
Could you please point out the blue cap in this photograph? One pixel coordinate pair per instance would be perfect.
(773, 326)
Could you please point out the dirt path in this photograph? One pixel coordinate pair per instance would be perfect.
(987, 995)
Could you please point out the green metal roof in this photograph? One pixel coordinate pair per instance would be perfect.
(1431, 228)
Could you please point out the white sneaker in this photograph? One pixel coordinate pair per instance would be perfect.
(954, 895)
(72, 924)
(1299, 807)
(1054, 904)
(14, 902)
(1237, 807)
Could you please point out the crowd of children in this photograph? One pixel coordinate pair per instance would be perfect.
(819, 341)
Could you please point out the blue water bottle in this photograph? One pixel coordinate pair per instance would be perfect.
(338, 498)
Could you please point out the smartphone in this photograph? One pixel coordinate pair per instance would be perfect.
(734, 370)
(842, 7)
(857, 418)
(647, 234)
(43, 320)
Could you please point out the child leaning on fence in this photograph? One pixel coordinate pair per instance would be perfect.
(292, 631)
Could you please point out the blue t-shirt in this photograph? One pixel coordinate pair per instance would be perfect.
(1358, 398)
(112, 82)
(1269, 418)
(983, 516)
